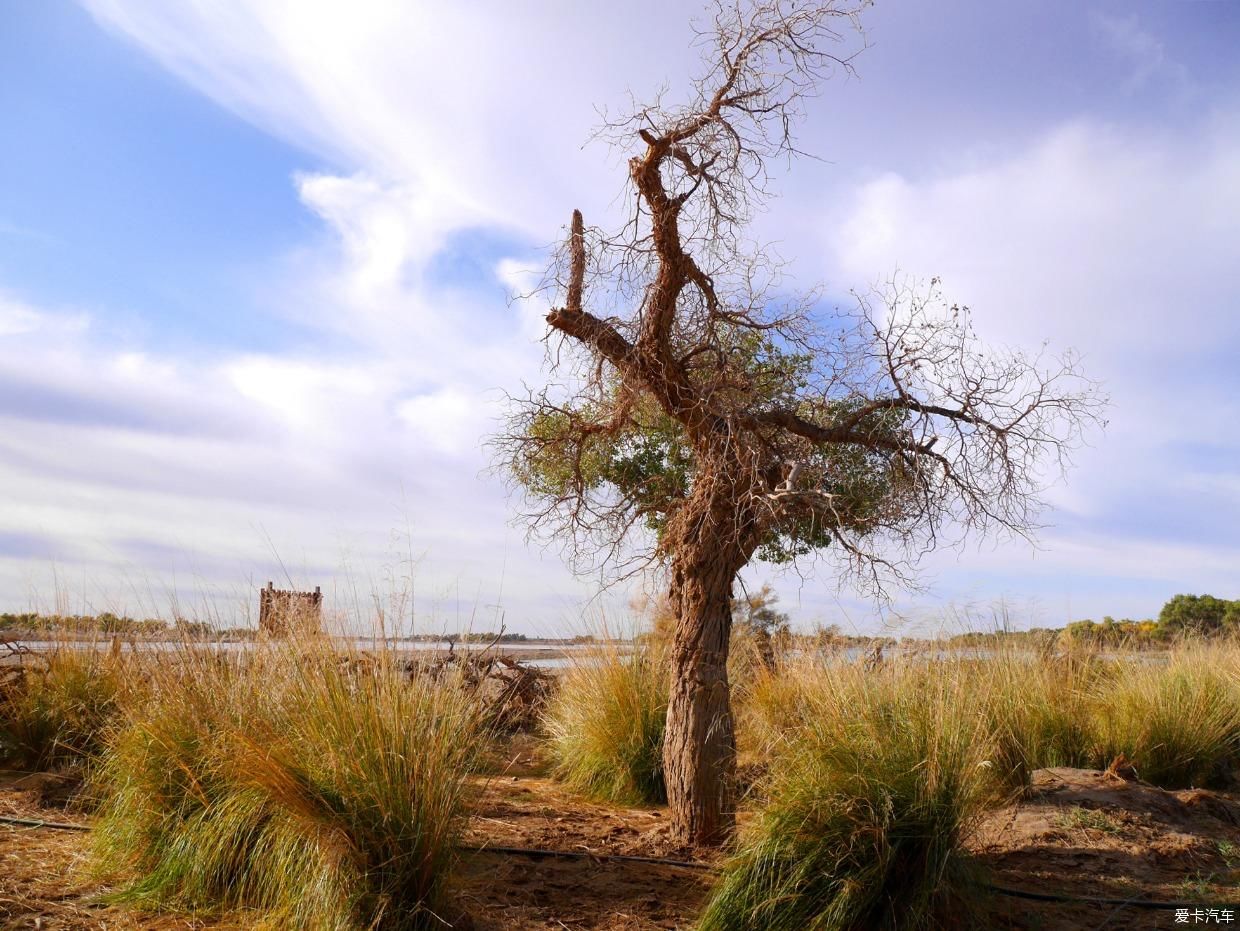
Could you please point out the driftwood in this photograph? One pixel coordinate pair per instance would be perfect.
(512, 693)
(13, 665)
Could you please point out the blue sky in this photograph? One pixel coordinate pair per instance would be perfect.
(255, 260)
(164, 206)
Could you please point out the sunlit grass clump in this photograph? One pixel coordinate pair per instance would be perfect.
(316, 793)
(605, 725)
(1040, 710)
(872, 785)
(1177, 722)
(54, 711)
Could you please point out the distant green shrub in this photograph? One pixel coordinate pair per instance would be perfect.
(1200, 614)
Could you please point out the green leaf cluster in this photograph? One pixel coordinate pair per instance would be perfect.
(626, 450)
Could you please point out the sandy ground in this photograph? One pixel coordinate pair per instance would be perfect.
(1090, 834)
(1078, 833)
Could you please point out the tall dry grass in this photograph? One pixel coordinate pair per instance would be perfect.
(604, 724)
(874, 779)
(874, 776)
(321, 791)
(1177, 722)
(318, 792)
(54, 710)
(1175, 716)
(1039, 709)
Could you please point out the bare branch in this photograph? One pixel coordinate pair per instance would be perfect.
(880, 433)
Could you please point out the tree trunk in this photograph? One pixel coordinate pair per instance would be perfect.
(699, 749)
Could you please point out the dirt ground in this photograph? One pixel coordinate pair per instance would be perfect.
(1078, 833)
(1090, 834)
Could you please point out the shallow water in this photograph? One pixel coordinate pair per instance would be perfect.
(519, 651)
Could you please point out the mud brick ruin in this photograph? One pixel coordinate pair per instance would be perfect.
(281, 613)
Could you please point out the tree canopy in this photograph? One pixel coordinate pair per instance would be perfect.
(1199, 614)
(701, 414)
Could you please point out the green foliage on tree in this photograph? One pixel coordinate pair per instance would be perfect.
(757, 612)
(1110, 632)
(645, 459)
(1202, 614)
(1182, 616)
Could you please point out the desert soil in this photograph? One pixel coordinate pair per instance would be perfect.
(1078, 833)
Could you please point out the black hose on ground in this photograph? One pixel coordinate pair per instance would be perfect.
(541, 854)
(51, 825)
(1088, 900)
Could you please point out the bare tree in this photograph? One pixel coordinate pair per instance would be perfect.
(705, 419)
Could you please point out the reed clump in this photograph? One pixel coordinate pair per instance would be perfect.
(1177, 722)
(874, 778)
(1041, 711)
(54, 710)
(604, 724)
(316, 792)
(1175, 716)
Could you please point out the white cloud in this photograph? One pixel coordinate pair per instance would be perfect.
(1094, 236)
(1114, 243)
(1122, 245)
(445, 420)
(126, 463)
(305, 395)
(385, 230)
(440, 121)
(478, 110)
(19, 319)
(522, 279)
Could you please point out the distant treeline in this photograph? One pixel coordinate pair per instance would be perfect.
(489, 636)
(833, 637)
(33, 625)
(1183, 616)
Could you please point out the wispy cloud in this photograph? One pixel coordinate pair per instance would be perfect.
(449, 129)
(1144, 54)
(24, 232)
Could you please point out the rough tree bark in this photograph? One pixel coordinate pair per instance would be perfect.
(711, 538)
(699, 746)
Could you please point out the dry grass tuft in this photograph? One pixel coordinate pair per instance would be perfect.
(604, 724)
(54, 711)
(319, 793)
(1177, 723)
(874, 779)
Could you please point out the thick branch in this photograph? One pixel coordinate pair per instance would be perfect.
(845, 432)
(573, 320)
